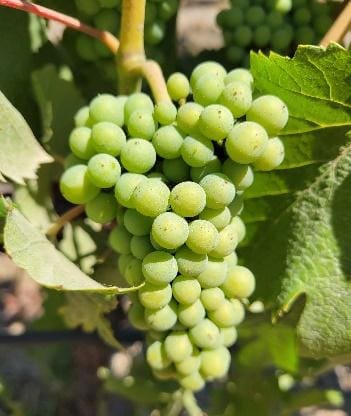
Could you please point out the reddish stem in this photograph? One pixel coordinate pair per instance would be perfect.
(105, 37)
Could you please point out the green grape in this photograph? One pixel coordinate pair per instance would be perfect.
(255, 15)
(102, 50)
(214, 165)
(216, 121)
(186, 290)
(81, 117)
(228, 336)
(80, 143)
(107, 107)
(101, 209)
(231, 18)
(165, 112)
(104, 170)
(133, 273)
(137, 101)
(125, 187)
(167, 142)
(231, 259)
(136, 316)
(302, 16)
(85, 48)
(246, 142)
(123, 260)
(205, 334)
(159, 267)
(223, 316)
(178, 346)
(175, 170)
(191, 315)
(304, 35)
(208, 89)
(197, 151)
(155, 296)
(187, 199)
(151, 197)
(107, 20)
(156, 356)
(322, 24)
(141, 124)
(89, 7)
(281, 38)
(214, 274)
(140, 246)
(270, 112)
(110, 3)
(108, 138)
(203, 236)
(236, 206)
(220, 192)
(167, 9)
(237, 97)
(240, 228)
(72, 160)
(283, 6)
(188, 117)
(138, 156)
(157, 175)
(212, 298)
(241, 175)
(239, 283)
(136, 223)
(189, 263)
(228, 240)
(119, 240)
(154, 32)
(178, 86)
(234, 54)
(189, 365)
(76, 186)
(207, 68)
(262, 36)
(220, 218)
(162, 319)
(274, 19)
(169, 230)
(242, 36)
(215, 363)
(239, 75)
(239, 311)
(192, 382)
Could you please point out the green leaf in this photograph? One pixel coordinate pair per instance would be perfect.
(88, 310)
(58, 100)
(21, 155)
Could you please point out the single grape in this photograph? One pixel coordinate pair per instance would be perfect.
(239, 283)
(89, 7)
(231, 259)
(242, 35)
(137, 101)
(262, 36)
(281, 38)
(269, 111)
(228, 336)
(162, 319)
(178, 346)
(138, 156)
(167, 142)
(191, 315)
(237, 97)
(207, 68)
(140, 246)
(274, 19)
(322, 24)
(220, 218)
(212, 298)
(216, 121)
(107, 107)
(81, 118)
(86, 49)
(187, 199)
(246, 142)
(159, 267)
(165, 112)
(154, 32)
(169, 230)
(304, 35)
(223, 316)
(239, 75)
(186, 290)
(107, 20)
(302, 16)
(151, 197)
(76, 186)
(101, 209)
(240, 228)
(72, 160)
(234, 54)
(155, 296)
(167, 9)
(214, 274)
(156, 356)
(175, 170)
(219, 190)
(189, 365)
(119, 240)
(203, 236)
(230, 18)
(123, 260)
(214, 165)
(125, 187)
(208, 89)
(136, 316)
(188, 117)
(133, 273)
(110, 3)
(239, 311)
(80, 143)
(215, 363)
(197, 151)
(228, 240)
(141, 124)
(178, 86)
(241, 175)
(205, 334)
(283, 6)
(108, 138)
(136, 223)
(192, 382)
(255, 15)
(104, 170)
(189, 263)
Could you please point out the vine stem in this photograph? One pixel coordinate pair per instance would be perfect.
(339, 28)
(64, 219)
(109, 40)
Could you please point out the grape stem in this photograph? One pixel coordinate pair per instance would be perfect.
(339, 28)
(64, 219)
(190, 404)
(153, 74)
(109, 40)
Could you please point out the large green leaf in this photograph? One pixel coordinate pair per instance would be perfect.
(20, 155)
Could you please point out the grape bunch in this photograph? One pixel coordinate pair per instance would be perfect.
(278, 25)
(172, 174)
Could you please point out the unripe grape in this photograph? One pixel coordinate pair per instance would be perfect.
(237, 97)
(207, 68)
(125, 187)
(240, 228)
(85, 48)
(119, 240)
(203, 237)
(304, 35)
(283, 6)
(123, 260)
(101, 209)
(104, 170)
(189, 263)
(229, 19)
(178, 346)
(167, 9)
(197, 151)
(228, 336)
(169, 230)
(192, 382)
(107, 107)
(140, 246)
(189, 365)
(156, 356)
(81, 117)
(108, 138)
(255, 15)
(220, 218)
(162, 319)
(214, 165)
(167, 142)
(187, 199)
(136, 316)
(301, 16)
(214, 274)
(281, 38)
(272, 156)
(175, 170)
(219, 190)
(224, 316)
(76, 186)
(239, 75)
(165, 112)
(141, 124)
(138, 156)
(154, 32)
(228, 240)
(151, 197)
(80, 143)
(239, 283)
(205, 334)
(242, 35)
(133, 273)
(178, 86)
(107, 20)
(241, 175)
(231, 259)
(234, 54)
(186, 290)
(155, 296)
(216, 121)
(274, 19)
(191, 315)
(215, 363)
(159, 267)
(136, 223)
(208, 89)
(188, 117)
(262, 36)
(212, 298)
(137, 101)
(239, 311)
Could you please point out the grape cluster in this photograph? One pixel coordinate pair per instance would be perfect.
(278, 25)
(173, 174)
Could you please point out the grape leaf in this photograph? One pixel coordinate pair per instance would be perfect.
(87, 310)
(21, 154)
